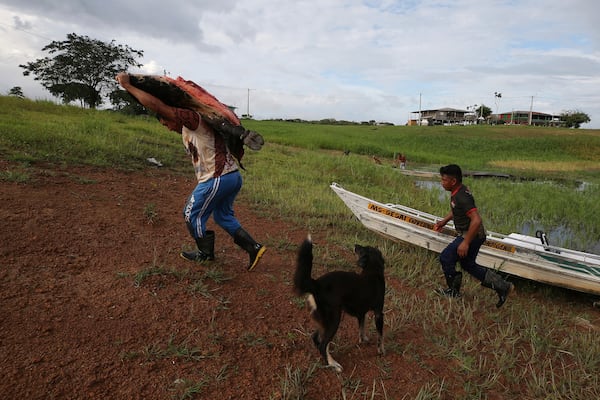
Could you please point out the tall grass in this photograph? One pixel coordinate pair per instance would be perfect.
(519, 150)
(293, 183)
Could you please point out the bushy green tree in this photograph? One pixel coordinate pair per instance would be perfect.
(16, 91)
(81, 68)
(574, 118)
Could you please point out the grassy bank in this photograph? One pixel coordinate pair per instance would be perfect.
(34, 132)
(290, 177)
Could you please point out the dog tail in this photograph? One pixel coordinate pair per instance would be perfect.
(303, 282)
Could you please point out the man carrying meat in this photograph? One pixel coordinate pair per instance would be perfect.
(219, 179)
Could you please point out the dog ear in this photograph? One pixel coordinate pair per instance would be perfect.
(380, 256)
(369, 257)
(362, 255)
(376, 255)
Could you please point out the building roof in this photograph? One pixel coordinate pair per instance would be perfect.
(524, 112)
(441, 109)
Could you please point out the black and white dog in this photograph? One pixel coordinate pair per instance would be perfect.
(338, 291)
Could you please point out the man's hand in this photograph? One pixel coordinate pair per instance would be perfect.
(463, 249)
(439, 225)
(123, 79)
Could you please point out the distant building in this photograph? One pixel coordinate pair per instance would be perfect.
(453, 116)
(523, 118)
(443, 116)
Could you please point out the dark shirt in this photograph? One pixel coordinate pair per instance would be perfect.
(463, 203)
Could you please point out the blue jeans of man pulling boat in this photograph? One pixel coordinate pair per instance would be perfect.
(488, 278)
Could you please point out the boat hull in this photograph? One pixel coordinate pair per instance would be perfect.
(514, 254)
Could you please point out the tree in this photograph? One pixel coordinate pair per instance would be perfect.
(16, 91)
(126, 103)
(484, 111)
(574, 118)
(81, 68)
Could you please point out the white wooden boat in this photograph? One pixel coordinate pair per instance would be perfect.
(520, 255)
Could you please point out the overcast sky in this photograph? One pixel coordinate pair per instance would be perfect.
(344, 59)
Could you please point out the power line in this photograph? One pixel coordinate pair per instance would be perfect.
(16, 28)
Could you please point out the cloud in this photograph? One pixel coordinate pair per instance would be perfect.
(345, 59)
(21, 25)
(172, 21)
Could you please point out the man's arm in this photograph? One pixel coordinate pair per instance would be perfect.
(440, 224)
(474, 226)
(146, 99)
(229, 131)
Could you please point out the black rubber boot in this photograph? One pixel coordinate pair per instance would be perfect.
(255, 250)
(454, 284)
(206, 249)
(503, 288)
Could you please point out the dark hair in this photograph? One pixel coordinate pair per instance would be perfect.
(452, 170)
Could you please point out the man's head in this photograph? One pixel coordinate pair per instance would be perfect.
(451, 176)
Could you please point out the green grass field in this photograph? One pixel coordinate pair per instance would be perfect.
(289, 179)
(557, 192)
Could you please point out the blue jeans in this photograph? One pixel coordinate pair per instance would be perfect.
(215, 196)
(449, 257)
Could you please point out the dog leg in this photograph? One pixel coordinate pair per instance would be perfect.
(312, 304)
(331, 362)
(316, 338)
(362, 336)
(324, 350)
(329, 331)
(379, 326)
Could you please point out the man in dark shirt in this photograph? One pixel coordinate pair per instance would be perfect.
(465, 247)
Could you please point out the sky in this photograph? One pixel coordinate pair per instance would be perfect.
(355, 60)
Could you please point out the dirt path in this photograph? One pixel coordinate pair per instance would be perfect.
(77, 322)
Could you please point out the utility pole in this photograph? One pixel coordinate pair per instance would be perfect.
(248, 105)
(531, 111)
(419, 122)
